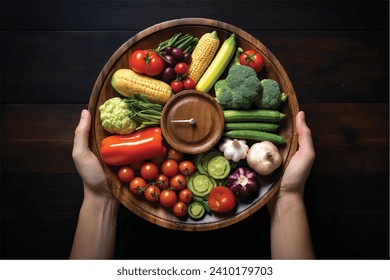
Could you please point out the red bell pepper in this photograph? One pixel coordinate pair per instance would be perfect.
(120, 150)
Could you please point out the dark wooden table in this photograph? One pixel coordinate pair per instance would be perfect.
(336, 54)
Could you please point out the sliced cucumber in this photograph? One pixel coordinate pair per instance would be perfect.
(201, 184)
(218, 167)
(196, 210)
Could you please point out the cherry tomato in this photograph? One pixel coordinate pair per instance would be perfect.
(180, 209)
(175, 154)
(170, 167)
(178, 182)
(186, 168)
(253, 59)
(177, 86)
(149, 171)
(181, 68)
(137, 185)
(222, 199)
(126, 174)
(152, 193)
(189, 83)
(146, 62)
(185, 195)
(168, 198)
(162, 181)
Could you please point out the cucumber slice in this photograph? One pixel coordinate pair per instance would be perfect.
(218, 167)
(198, 163)
(208, 156)
(196, 210)
(200, 184)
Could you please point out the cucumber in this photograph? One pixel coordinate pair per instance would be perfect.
(256, 136)
(255, 115)
(201, 184)
(196, 210)
(218, 167)
(198, 163)
(208, 156)
(260, 126)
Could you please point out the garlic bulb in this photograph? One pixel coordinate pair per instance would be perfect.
(264, 157)
(234, 149)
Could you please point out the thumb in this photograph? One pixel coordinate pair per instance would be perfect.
(305, 140)
(80, 143)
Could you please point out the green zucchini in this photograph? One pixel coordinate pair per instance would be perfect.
(255, 115)
(260, 126)
(256, 136)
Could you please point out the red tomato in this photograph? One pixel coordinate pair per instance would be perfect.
(175, 154)
(149, 171)
(180, 209)
(168, 198)
(186, 168)
(185, 195)
(162, 181)
(137, 185)
(181, 68)
(253, 59)
(177, 86)
(189, 83)
(178, 182)
(146, 62)
(170, 167)
(126, 174)
(222, 199)
(152, 193)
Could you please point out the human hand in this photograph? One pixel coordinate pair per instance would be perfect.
(87, 164)
(298, 170)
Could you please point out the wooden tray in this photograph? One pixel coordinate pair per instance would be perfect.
(149, 38)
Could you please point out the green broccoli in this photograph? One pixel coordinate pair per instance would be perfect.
(116, 116)
(240, 88)
(271, 97)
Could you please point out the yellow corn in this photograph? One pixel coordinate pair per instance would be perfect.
(127, 82)
(203, 54)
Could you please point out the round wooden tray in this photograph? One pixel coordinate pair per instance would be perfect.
(150, 38)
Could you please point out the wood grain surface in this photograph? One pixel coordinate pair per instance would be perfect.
(335, 53)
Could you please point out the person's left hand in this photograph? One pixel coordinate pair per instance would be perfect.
(87, 164)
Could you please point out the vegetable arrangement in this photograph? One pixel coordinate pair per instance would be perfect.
(211, 182)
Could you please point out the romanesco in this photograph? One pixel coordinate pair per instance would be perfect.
(271, 97)
(116, 116)
(240, 88)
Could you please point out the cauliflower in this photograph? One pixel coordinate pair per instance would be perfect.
(116, 116)
(240, 88)
(271, 97)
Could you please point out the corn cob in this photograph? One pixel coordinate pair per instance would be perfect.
(126, 82)
(218, 65)
(203, 54)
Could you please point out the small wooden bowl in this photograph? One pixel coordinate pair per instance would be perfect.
(150, 38)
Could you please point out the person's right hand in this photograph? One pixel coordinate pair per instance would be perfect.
(298, 170)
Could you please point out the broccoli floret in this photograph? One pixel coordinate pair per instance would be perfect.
(240, 88)
(116, 116)
(271, 97)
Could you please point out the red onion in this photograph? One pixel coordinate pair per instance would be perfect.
(243, 181)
